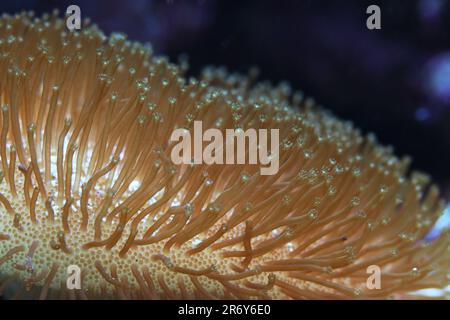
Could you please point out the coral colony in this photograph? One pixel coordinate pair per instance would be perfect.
(88, 184)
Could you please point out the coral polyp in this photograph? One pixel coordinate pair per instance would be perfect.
(87, 180)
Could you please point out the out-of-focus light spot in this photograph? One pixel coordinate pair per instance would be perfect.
(442, 223)
(430, 9)
(422, 114)
(439, 77)
(429, 292)
(432, 292)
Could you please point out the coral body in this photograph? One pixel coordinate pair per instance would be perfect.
(87, 180)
